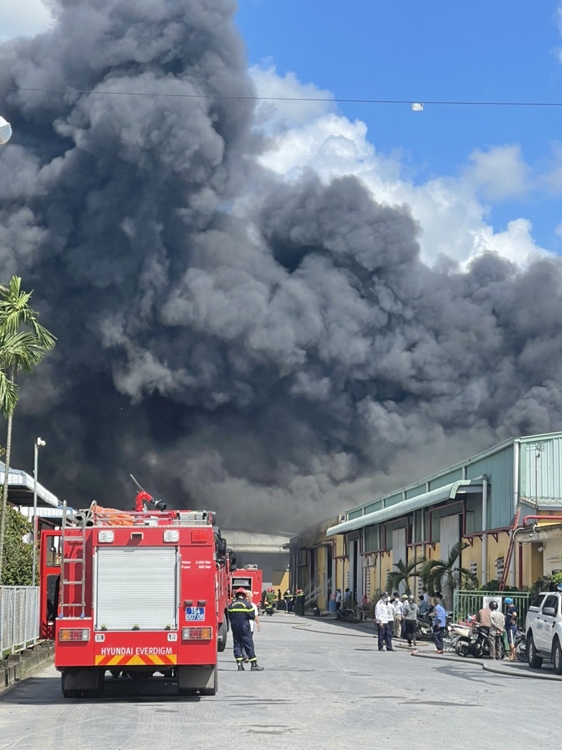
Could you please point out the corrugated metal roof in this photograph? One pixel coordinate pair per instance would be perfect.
(448, 492)
(18, 478)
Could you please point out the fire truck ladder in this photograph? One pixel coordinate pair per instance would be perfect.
(79, 544)
(509, 555)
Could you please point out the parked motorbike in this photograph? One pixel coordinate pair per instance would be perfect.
(520, 642)
(477, 644)
(345, 614)
(424, 627)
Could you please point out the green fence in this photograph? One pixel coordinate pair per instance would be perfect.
(469, 602)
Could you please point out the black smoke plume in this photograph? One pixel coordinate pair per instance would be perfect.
(275, 351)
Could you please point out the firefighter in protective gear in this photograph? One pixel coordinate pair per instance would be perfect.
(270, 601)
(240, 612)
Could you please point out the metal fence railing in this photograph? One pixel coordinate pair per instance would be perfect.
(469, 602)
(19, 618)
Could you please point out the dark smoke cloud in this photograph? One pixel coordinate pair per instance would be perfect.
(276, 351)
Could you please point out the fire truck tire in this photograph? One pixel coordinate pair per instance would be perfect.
(71, 693)
(212, 690)
(222, 638)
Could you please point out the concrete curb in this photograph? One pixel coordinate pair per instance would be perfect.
(17, 667)
(487, 667)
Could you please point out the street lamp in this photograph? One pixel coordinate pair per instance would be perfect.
(39, 443)
(5, 131)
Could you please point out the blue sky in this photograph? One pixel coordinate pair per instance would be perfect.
(479, 50)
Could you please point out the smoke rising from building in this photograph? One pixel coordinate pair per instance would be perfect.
(274, 350)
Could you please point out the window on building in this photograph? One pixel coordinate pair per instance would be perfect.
(388, 534)
(473, 514)
(302, 559)
(372, 538)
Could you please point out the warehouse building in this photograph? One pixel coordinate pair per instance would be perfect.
(475, 501)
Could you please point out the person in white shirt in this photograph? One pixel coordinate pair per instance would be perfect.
(398, 615)
(382, 620)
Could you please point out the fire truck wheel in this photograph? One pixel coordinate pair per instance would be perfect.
(187, 691)
(71, 693)
(222, 638)
(212, 690)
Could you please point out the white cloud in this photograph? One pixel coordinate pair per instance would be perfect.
(23, 18)
(449, 209)
(500, 172)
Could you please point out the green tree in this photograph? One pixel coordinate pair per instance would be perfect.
(402, 575)
(23, 344)
(446, 576)
(18, 554)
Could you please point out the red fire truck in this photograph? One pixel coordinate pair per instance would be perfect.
(249, 577)
(139, 593)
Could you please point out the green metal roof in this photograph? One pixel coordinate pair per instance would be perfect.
(448, 492)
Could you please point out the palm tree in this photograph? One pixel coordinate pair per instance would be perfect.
(444, 576)
(23, 344)
(402, 574)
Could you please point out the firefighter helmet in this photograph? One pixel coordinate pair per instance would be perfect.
(241, 590)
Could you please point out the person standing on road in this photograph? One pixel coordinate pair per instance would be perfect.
(398, 613)
(390, 608)
(411, 619)
(240, 612)
(439, 622)
(299, 603)
(423, 606)
(270, 601)
(511, 626)
(382, 619)
(253, 623)
(338, 600)
(288, 597)
(497, 625)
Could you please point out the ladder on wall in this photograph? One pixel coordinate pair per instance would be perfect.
(509, 555)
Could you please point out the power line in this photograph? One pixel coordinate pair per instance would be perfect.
(328, 100)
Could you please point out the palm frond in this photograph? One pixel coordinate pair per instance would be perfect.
(402, 574)
(9, 395)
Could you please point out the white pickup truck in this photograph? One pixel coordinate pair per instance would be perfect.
(543, 626)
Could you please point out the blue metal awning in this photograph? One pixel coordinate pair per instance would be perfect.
(447, 492)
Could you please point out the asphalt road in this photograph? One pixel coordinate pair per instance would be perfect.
(324, 686)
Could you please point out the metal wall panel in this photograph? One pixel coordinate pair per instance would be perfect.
(541, 470)
(499, 468)
(448, 478)
(136, 588)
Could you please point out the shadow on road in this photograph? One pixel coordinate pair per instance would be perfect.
(46, 691)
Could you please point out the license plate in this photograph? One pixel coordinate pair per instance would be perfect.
(195, 614)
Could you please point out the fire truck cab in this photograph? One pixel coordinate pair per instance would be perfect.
(138, 595)
(249, 577)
